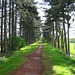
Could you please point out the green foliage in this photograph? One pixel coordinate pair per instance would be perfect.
(29, 17)
(36, 39)
(56, 63)
(17, 43)
(17, 59)
(43, 40)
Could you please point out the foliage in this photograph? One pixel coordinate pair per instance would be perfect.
(36, 39)
(56, 17)
(56, 63)
(17, 43)
(17, 59)
(43, 40)
(28, 22)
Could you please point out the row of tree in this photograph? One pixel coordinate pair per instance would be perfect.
(57, 19)
(18, 18)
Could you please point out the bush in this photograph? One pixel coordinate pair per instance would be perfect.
(17, 43)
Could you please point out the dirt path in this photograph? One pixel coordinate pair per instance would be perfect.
(33, 66)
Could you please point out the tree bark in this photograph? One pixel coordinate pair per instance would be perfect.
(62, 42)
(56, 34)
(5, 33)
(13, 18)
(64, 32)
(2, 28)
(68, 39)
(58, 42)
(53, 36)
(9, 24)
(20, 26)
(59, 39)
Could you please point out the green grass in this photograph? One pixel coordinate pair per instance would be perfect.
(56, 63)
(17, 59)
(72, 50)
(0, 47)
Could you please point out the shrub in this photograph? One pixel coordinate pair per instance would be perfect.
(17, 43)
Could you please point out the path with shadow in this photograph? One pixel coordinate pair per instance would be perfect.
(33, 66)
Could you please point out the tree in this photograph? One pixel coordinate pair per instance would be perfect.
(10, 24)
(17, 19)
(2, 27)
(57, 11)
(5, 26)
(13, 33)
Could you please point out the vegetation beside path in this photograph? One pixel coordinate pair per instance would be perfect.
(56, 63)
(72, 50)
(17, 59)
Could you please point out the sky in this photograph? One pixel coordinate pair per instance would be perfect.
(41, 14)
(41, 10)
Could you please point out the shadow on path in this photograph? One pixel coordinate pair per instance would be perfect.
(33, 66)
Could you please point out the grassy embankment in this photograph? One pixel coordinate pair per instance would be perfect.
(16, 59)
(56, 63)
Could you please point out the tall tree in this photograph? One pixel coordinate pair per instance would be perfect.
(13, 18)
(5, 26)
(2, 27)
(10, 24)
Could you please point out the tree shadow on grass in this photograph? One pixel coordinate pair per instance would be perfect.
(65, 64)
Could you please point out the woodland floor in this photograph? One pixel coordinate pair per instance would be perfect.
(33, 66)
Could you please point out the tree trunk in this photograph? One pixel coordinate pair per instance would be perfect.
(68, 32)
(13, 18)
(9, 24)
(53, 36)
(24, 32)
(58, 42)
(68, 39)
(59, 39)
(62, 42)
(20, 25)
(64, 32)
(2, 28)
(56, 34)
(28, 36)
(5, 33)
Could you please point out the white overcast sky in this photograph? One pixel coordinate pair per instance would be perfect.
(41, 10)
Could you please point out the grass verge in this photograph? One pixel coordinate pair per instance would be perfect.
(56, 63)
(72, 50)
(17, 59)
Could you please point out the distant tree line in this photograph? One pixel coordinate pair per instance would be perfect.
(72, 40)
(57, 19)
(18, 18)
